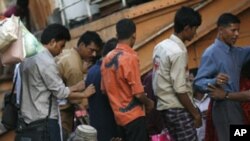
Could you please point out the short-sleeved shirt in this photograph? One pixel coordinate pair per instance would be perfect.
(40, 79)
(121, 81)
(170, 73)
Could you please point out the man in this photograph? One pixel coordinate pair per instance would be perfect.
(70, 61)
(71, 68)
(221, 65)
(171, 78)
(121, 81)
(101, 115)
(42, 85)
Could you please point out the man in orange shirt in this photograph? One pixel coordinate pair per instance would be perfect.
(122, 83)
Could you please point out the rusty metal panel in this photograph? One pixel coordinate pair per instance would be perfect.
(200, 45)
(210, 12)
(138, 11)
(160, 15)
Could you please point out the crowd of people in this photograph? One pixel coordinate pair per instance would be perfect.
(103, 81)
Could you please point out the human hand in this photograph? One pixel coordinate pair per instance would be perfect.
(216, 92)
(197, 120)
(222, 78)
(80, 86)
(149, 106)
(90, 90)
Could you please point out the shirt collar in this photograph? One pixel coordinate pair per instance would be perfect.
(178, 41)
(76, 53)
(125, 47)
(222, 45)
(48, 52)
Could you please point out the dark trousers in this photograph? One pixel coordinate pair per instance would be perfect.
(54, 130)
(39, 133)
(135, 130)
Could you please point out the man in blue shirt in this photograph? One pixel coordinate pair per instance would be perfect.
(221, 65)
(100, 112)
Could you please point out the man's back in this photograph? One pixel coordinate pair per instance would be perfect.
(168, 73)
(40, 79)
(121, 80)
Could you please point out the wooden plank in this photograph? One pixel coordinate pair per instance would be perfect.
(133, 12)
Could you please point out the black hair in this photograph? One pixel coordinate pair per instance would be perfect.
(23, 3)
(226, 19)
(55, 31)
(125, 28)
(110, 45)
(23, 11)
(186, 16)
(90, 36)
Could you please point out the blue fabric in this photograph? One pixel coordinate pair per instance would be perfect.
(220, 58)
(54, 130)
(100, 113)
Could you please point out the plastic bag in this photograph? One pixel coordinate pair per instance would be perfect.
(25, 46)
(30, 43)
(8, 31)
(15, 53)
(163, 136)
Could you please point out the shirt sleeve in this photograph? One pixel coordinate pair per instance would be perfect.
(71, 74)
(178, 72)
(51, 78)
(132, 75)
(206, 74)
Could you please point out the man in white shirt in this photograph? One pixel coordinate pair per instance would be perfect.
(171, 78)
(42, 86)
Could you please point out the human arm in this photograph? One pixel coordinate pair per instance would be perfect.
(132, 75)
(51, 78)
(71, 72)
(149, 104)
(78, 94)
(219, 93)
(207, 74)
(90, 90)
(186, 102)
(80, 87)
(180, 84)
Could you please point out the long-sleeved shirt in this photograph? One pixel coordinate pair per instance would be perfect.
(221, 58)
(40, 79)
(70, 67)
(170, 73)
